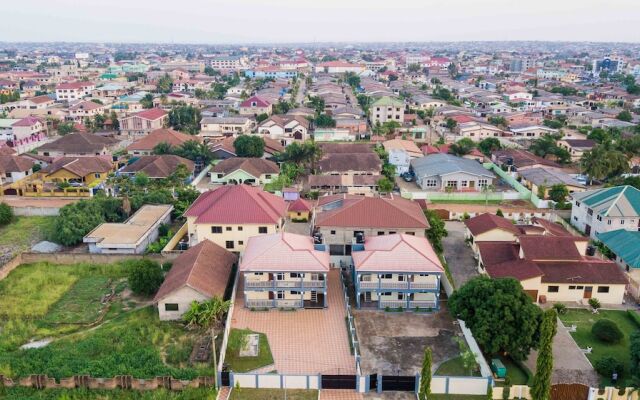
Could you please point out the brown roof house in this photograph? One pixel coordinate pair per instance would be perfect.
(145, 145)
(198, 274)
(344, 221)
(78, 145)
(13, 168)
(243, 170)
(158, 167)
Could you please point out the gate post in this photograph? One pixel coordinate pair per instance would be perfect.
(417, 389)
(379, 383)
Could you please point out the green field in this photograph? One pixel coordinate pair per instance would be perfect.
(273, 394)
(246, 364)
(83, 394)
(584, 320)
(64, 305)
(23, 232)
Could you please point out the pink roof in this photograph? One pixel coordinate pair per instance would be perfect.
(283, 252)
(299, 205)
(237, 204)
(259, 102)
(152, 113)
(28, 121)
(399, 252)
(74, 85)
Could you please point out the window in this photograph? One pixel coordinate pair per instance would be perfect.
(577, 204)
(262, 229)
(387, 276)
(280, 294)
(280, 276)
(452, 184)
(463, 183)
(609, 222)
(380, 233)
(295, 275)
(392, 233)
(603, 289)
(336, 250)
(333, 232)
(216, 229)
(599, 218)
(430, 183)
(483, 182)
(240, 242)
(267, 176)
(572, 288)
(385, 294)
(171, 307)
(239, 229)
(411, 233)
(553, 289)
(229, 244)
(621, 222)
(579, 287)
(293, 292)
(228, 228)
(97, 175)
(589, 211)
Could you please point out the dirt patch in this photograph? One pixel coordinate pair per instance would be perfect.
(394, 343)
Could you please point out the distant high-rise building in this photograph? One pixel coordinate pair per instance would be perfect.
(610, 64)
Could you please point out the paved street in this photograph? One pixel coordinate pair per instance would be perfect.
(458, 254)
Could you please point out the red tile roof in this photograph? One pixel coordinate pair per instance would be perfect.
(518, 269)
(252, 166)
(152, 113)
(549, 248)
(396, 253)
(239, 204)
(299, 205)
(599, 272)
(487, 222)
(493, 253)
(206, 268)
(375, 212)
(170, 136)
(259, 102)
(27, 121)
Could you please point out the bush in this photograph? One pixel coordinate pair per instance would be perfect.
(144, 276)
(594, 303)
(635, 317)
(606, 366)
(607, 331)
(6, 214)
(560, 308)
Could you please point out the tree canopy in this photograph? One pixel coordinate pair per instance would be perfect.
(185, 118)
(249, 146)
(500, 314)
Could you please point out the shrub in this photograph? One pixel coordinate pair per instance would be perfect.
(606, 366)
(635, 317)
(6, 214)
(607, 331)
(594, 303)
(560, 308)
(144, 276)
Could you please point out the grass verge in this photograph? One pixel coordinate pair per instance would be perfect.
(273, 394)
(83, 394)
(245, 364)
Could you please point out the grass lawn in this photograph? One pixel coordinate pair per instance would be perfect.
(456, 397)
(584, 320)
(273, 394)
(480, 202)
(22, 232)
(82, 394)
(454, 367)
(81, 304)
(246, 364)
(517, 373)
(43, 301)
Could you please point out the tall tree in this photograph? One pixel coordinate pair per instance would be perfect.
(541, 389)
(436, 231)
(425, 375)
(462, 147)
(249, 146)
(500, 314)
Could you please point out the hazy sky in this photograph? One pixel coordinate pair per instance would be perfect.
(261, 21)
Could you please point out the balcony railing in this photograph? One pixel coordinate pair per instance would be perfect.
(393, 303)
(274, 303)
(397, 285)
(422, 304)
(274, 284)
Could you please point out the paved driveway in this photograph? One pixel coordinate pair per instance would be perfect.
(570, 364)
(458, 254)
(393, 343)
(303, 341)
(340, 395)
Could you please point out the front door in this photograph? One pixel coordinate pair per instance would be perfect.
(587, 292)
(587, 230)
(472, 184)
(367, 297)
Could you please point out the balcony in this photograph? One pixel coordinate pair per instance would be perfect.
(397, 285)
(393, 303)
(274, 284)
(422, 304)
(273, 303)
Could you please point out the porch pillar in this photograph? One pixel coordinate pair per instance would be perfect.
(324, 298)
(302, 298)
(357, 298)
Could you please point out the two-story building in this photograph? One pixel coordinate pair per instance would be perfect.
(255, 106)
(143, 122)
(284, 270)
(212, 127)
(397, 271)
(285, 129)
(607, 209)
(70, 91)
(387, 109)
(231, 214)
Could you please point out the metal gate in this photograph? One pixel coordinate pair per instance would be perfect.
(373, 382)
(224, 378)
(338, 382)
(399, 383)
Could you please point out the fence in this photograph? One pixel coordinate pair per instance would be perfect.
(227, 326)
(202, 175)
(117, 382)
(353, 337)
(467, 385)
(275, 381)
(75, 258)
(31, 211)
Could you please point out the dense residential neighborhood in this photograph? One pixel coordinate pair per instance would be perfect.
(453, 220)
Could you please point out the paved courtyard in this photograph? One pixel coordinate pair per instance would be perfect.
(303, 341)
(570, 364)
(458, 254)
(394, 343)
(340, 395)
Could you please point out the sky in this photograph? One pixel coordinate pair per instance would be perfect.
(289, 21)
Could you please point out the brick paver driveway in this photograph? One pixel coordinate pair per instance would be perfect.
(458, 254)
(303, 341)
(340, 395)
